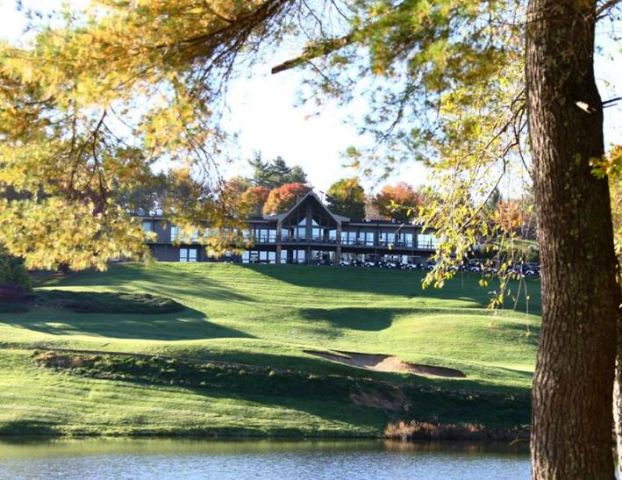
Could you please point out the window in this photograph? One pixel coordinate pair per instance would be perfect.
(427, 241)
(147, 226)
(188, 254)
(298, 256)
(387, 238)
(407, 239)
(300, 233)
(246, 256)
(265, 235)
(283, 256)
(348, 238)
(332, 236)
(183, 236)
(366, 238)
(316, 234)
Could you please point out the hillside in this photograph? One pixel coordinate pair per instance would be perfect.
(254, 350)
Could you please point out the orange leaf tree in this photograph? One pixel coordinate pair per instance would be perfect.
(284, 197)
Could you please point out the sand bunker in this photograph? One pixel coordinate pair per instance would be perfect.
(386, 363)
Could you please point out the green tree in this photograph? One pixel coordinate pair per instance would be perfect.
(347, 197)
(262, 173)
(296, 175)
(275, 173)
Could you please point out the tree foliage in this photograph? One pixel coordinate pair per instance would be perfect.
(516, 217)
(282, 198)
(95, 103)
(275, 173)
(401, 202)
(255, 198)
(347, 197)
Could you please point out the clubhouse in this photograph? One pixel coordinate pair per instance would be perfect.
(307, 234)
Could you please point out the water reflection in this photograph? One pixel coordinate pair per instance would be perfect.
(257, 460)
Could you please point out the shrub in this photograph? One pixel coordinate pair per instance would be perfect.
(13, 273)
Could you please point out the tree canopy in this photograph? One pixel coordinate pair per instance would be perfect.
(282, 198)
(401, 202)
(275, 173)
(255, 198)
(347, 197)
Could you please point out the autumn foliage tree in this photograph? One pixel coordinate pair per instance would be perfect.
(254, 199)
(284, 197)
(347, 197)
(515, 217)
(399, 202)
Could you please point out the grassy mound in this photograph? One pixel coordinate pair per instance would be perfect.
(233, 361)
(108, 302)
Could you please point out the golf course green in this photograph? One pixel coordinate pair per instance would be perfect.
(267, 351)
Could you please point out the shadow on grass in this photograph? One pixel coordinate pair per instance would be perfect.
(186, 325)
(367, 319)
(465, 286)
(30, 428)
(162, 279)
(377, 319)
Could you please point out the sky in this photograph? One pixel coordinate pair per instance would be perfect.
(262, 110)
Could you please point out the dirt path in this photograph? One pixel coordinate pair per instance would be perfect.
(386, 363)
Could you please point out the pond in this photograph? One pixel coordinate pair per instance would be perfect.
(257, 460)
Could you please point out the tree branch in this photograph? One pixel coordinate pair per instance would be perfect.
(314, 51)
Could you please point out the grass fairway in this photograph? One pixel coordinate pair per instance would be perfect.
(259, 321)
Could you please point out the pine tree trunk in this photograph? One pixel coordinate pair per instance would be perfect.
(572, 392)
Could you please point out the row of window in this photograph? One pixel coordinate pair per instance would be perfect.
(266, 235)
(287, 256)
(295, 256)
(349, 238)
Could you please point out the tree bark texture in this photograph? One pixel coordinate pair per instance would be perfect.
(617, 402)
(572, 391)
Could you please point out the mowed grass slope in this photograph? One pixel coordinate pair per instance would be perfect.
(267, 316)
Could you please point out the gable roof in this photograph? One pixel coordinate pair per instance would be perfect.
(310, 195)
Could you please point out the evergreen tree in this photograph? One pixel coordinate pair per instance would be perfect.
(262, 172)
